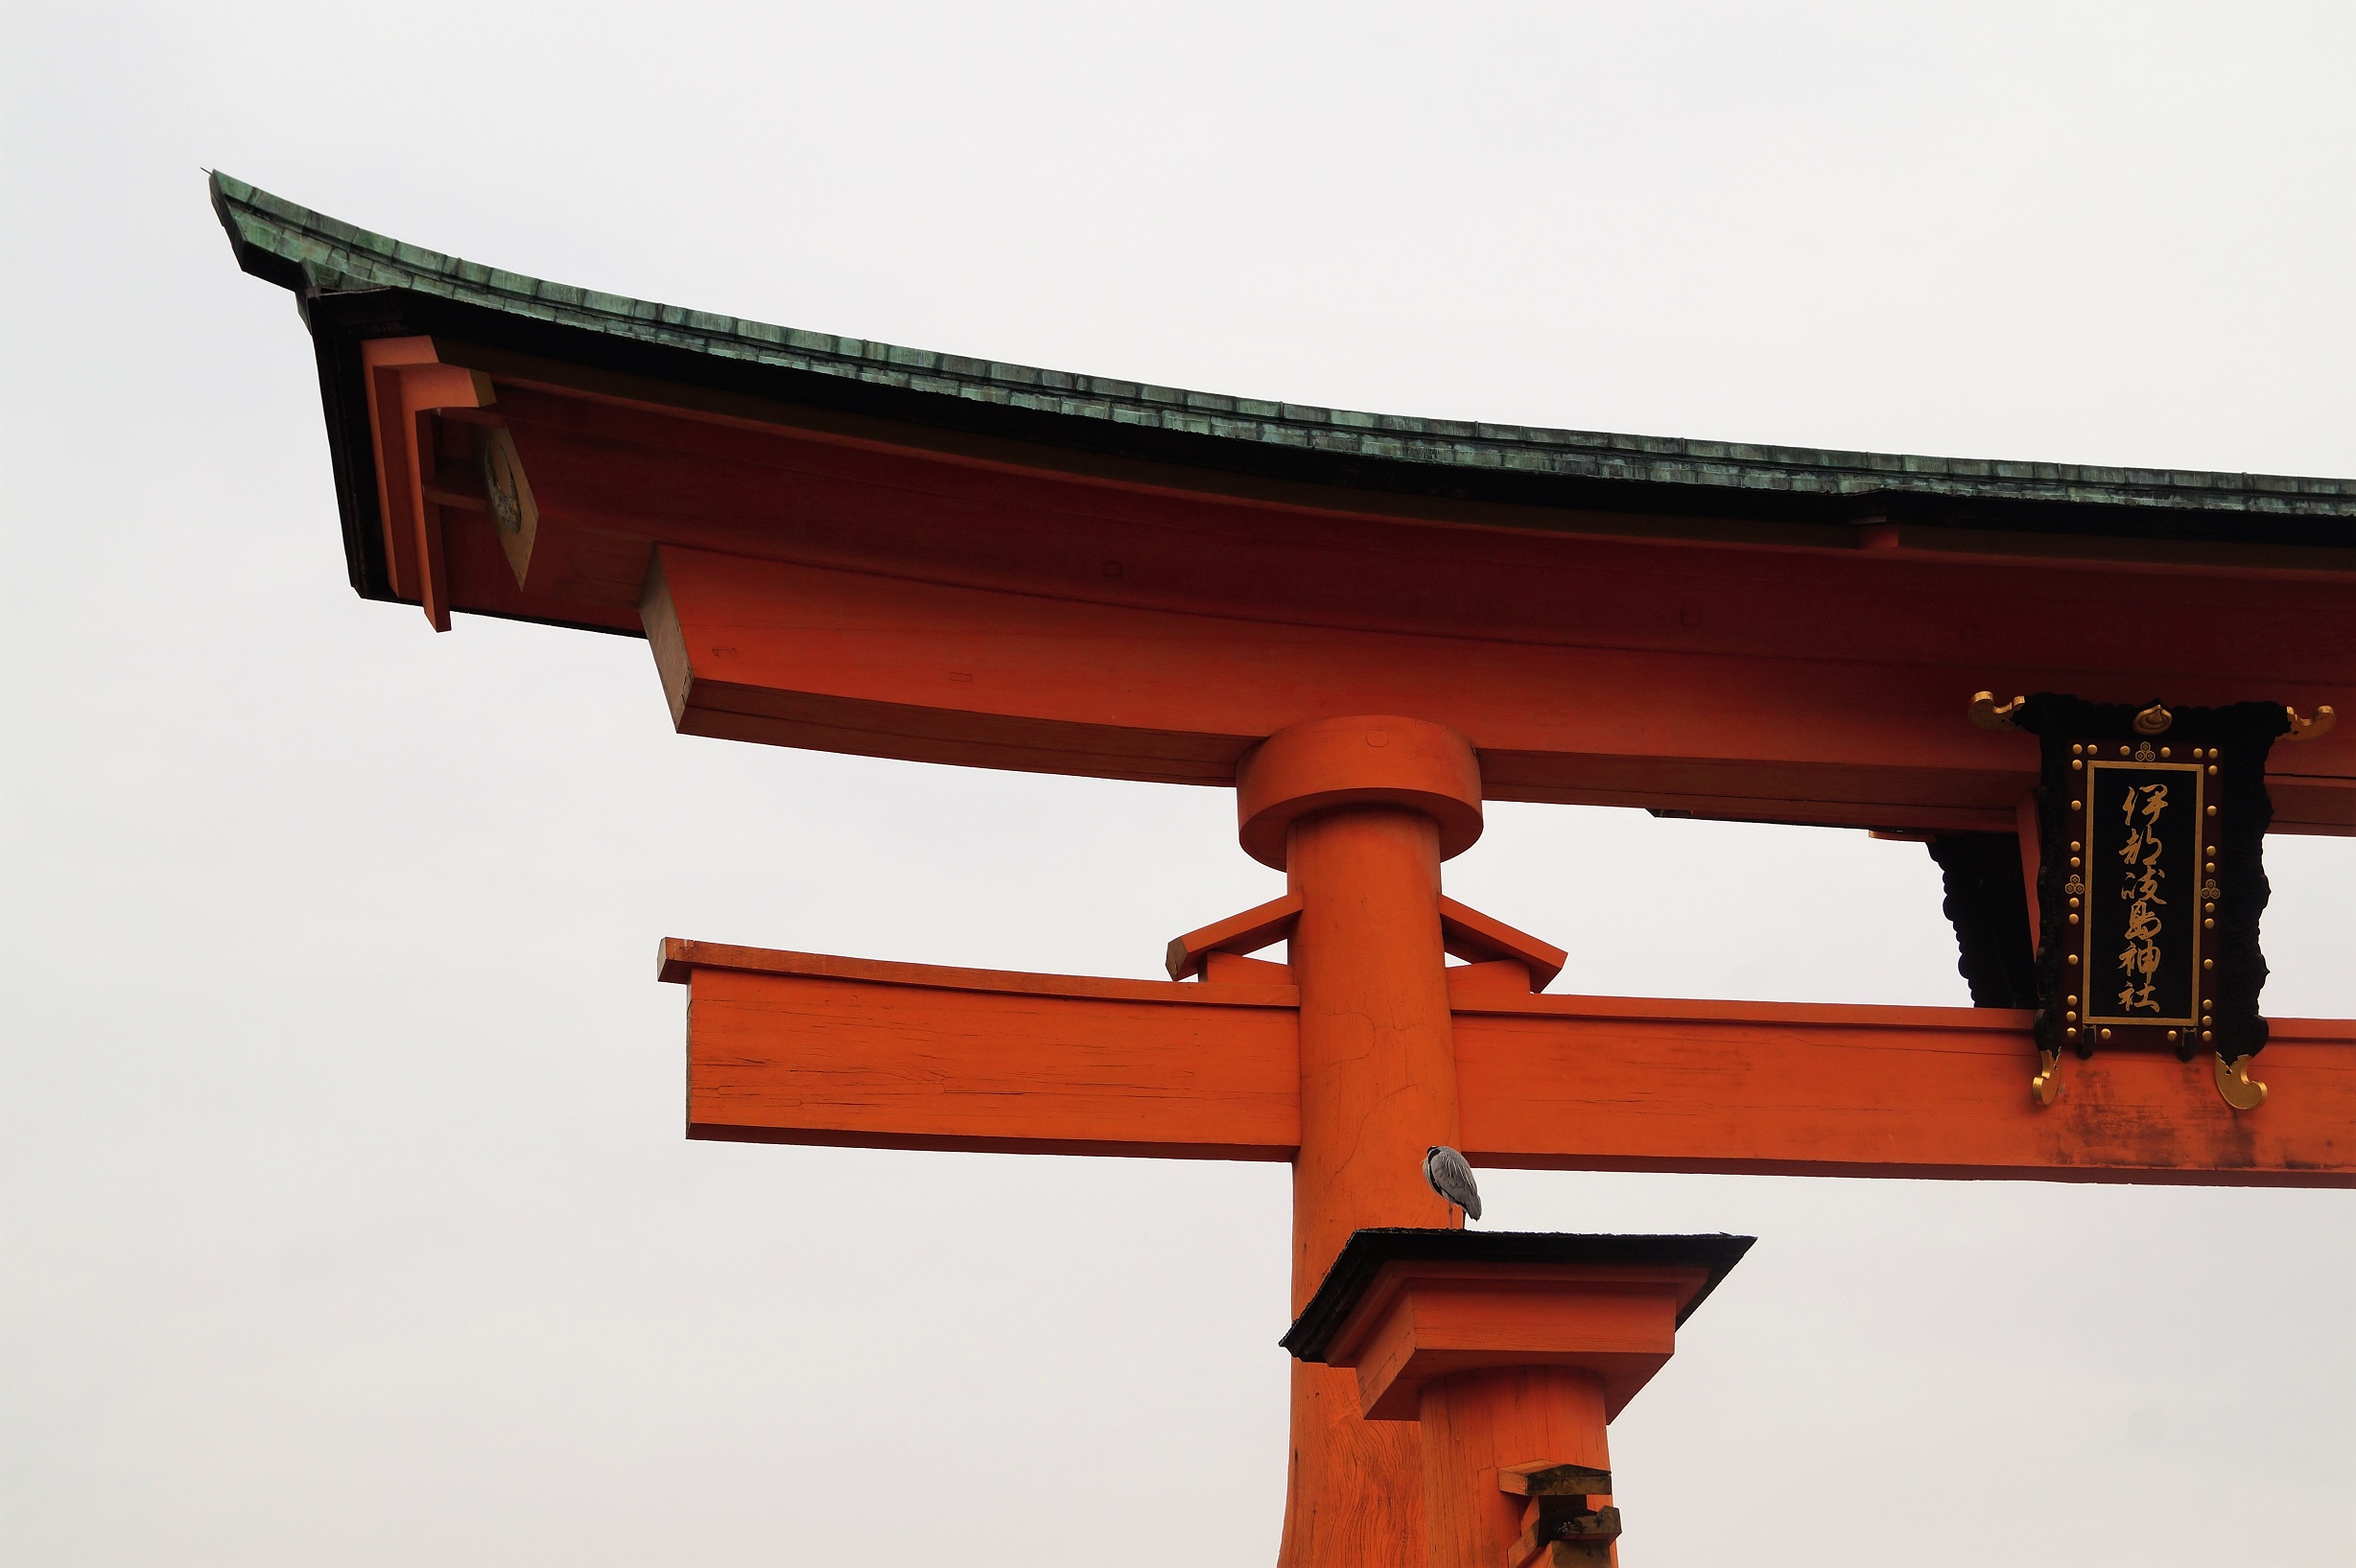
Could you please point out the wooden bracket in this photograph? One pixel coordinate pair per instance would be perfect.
(1546, 1479)
(1568, 1518)
(1237, 935)
(1475, 937)
(1465, 933)
(405, 382)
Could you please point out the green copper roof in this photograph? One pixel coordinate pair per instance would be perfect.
(313, 254)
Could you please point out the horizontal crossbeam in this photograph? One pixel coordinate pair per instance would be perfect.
(802, 1049)
(1593, 1082)
(794, 655)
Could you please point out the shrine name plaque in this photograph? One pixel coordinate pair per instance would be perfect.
(2142, 889)
(2152, 878)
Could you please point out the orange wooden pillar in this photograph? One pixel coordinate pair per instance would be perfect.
(1360, 812)
(1507, 1354)
(1478, 1429)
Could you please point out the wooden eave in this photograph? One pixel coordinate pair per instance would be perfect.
(1707, 628)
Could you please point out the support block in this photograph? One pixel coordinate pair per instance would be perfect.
(1512, 1351)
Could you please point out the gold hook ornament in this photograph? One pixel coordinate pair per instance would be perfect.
(2241, 1091)
(2046, 1087)
(1989, 714)
(2310, 729)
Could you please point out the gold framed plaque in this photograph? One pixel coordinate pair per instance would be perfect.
(2152, 878)
(2136, 919)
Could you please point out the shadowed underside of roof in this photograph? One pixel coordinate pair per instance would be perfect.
(320, 258)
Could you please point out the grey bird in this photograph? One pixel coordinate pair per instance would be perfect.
(1452, 1179)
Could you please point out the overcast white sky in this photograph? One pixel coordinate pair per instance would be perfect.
(347, 1218)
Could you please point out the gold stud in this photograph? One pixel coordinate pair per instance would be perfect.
(2206, 908)
(2124, 752)
(2073, 1002)
(2075, 845)
(2074, 905)
(2077, 751)
(2073, 960)
(2163, 754)
(2209, 963)
(2075, 804)
(2171, 1036)
(2106, 1034)
(2206, 1037)
(2076, 765)
(2073, 860)
(2069, 1034)
(2212, 770)
(2208, 925)
(2212, 810)
(2073, 919)
(2070, 1017)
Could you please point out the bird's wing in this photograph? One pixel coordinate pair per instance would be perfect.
(1454, 1178)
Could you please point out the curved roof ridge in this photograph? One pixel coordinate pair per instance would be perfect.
(312, 254)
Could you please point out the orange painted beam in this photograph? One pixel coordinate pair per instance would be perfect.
(889, 665)
(802, 1049)
(1133, 619)
(1599, 1083)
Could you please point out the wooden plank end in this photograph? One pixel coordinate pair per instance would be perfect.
(1548, 1479)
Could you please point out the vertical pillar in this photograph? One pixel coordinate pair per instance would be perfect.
(1475, 1423)
(1359, 814)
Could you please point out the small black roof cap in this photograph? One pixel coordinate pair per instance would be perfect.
(1364, 1255)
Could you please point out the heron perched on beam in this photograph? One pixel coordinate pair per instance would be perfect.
(1452, 1179)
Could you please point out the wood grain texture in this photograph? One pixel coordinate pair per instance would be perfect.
(406, 380)
(678, 959)
(1590, 1522)
(805, 1047)
(1580, 1083)
(1036, 1063)
(1475, 1424)
(1377, 1087)
(793, 654)
(1262, 925)
(1426, 1322)
(1548, 1479)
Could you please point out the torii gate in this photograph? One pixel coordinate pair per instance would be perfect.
(1367, 626)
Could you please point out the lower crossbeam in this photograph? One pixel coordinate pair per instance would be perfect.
(803, 1049)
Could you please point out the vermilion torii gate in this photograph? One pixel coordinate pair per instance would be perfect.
(1367, 627)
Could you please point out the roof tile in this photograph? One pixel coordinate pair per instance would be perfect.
(336, 255)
